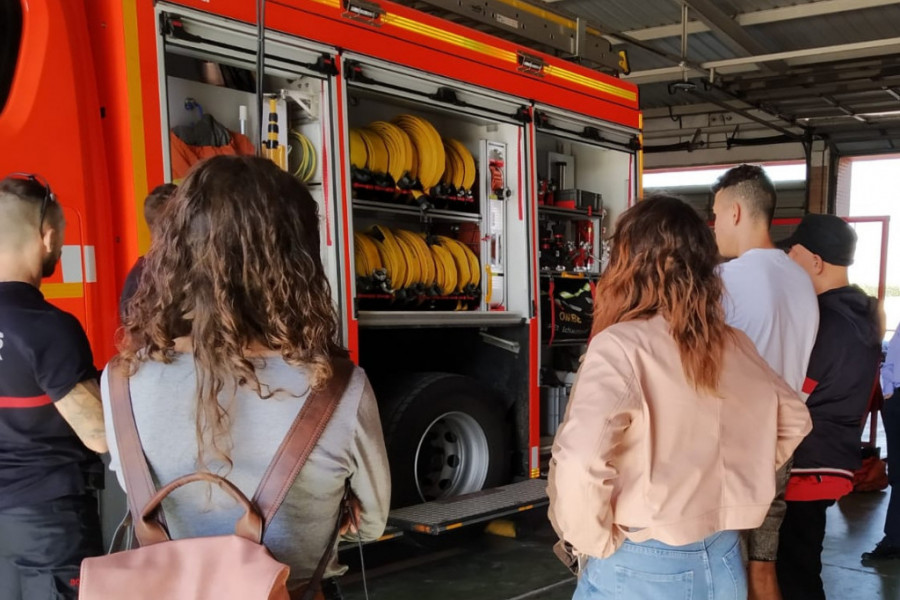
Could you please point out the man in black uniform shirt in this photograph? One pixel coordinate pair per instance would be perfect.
(51, 419)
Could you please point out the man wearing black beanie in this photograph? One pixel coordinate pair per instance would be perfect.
(840, 378)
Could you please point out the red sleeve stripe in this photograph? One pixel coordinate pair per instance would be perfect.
(34, 402)
(809, 385)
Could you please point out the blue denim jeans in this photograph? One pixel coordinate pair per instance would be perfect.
(711, 569)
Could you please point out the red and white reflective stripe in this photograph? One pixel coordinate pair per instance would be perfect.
(34, 402)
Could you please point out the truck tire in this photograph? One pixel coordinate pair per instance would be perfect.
(445, 436)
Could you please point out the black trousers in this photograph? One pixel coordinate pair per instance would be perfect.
(799, 565)
(42, 545)
(890, 414)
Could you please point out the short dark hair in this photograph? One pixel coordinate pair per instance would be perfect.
(30, 190)
(753, 186)
(156, 201)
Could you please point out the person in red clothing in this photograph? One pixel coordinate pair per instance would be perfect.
(154, 204)
(842, 370)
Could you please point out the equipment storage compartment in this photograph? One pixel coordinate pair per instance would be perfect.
(440, 232)
(585, 173)
(584, 164)
(209, 89)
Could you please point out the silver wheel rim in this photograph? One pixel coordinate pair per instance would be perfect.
(452, 457)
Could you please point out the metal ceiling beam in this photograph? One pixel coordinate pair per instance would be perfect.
(856, 135)
(862, 108)
(847, 112)
(653, 116)
(658, 134)
(666, 74)
(761, 17)
(748, 114)
(729, 31)
(848, 128)
(832, 76)
(816, 55)
(854, 130)
(807, 56)
(687, 110)
(802, 92)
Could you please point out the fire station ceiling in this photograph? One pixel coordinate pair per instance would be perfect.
(749, 71)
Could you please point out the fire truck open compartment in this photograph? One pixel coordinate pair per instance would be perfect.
(587, 155)
(585, 181)
(208, 68)
(451, 426)
(487, 215)
(455, 421)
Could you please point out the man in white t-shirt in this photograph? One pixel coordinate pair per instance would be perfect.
(772, 300)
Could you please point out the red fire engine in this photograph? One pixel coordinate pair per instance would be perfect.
(464, 183)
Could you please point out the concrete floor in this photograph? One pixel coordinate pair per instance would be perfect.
(486, 567)
(855, 526)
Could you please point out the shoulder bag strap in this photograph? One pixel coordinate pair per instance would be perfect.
(139, 486)
(300, 441)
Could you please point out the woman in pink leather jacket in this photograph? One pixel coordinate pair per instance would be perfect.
(675, 426)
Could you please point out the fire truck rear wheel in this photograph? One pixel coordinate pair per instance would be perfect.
(445, 436)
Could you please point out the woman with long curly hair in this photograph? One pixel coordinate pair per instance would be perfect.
(675, 426)
(231, 328)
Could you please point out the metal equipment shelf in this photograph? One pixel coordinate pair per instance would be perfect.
(572, 275)
(560, 343)
(414, 211)
(423, 297)
(415, 318)
(569, 213)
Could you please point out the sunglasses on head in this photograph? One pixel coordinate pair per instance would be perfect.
(49, 197)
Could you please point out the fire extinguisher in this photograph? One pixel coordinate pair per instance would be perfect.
(585, 250)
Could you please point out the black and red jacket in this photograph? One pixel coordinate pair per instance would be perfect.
(842, 371)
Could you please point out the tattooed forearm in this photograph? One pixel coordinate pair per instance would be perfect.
(83, 411)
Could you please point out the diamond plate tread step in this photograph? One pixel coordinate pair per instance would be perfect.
(439, 516)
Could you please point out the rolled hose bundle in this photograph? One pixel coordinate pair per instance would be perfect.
(409, 260)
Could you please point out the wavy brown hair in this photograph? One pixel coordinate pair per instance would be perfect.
(664, 261)
(235, 265)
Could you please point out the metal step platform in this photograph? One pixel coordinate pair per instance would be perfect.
(440, 516)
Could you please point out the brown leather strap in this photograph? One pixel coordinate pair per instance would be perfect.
(249, 526)
(300, 441)
(139, 485)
